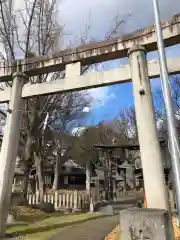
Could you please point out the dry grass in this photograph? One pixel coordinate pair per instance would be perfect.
(22, 213)
(114, 235)
(176, 229)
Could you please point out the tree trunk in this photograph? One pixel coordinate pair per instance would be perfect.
(56, 173)
(28, 148)
(40, 175)
(27, 160)
(26, 181)
(33, 186)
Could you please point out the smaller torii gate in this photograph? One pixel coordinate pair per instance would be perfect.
(138, 69)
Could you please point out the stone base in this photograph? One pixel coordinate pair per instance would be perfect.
(76, 210)
(17, 199)
(91, 207)
(66, 210)
(143, 223)
(10, 219)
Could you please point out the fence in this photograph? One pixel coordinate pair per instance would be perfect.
(117, 196)
(76, 200)
(63, 200)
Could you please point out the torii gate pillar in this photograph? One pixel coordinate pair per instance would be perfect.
(152, 164)
(9, 147)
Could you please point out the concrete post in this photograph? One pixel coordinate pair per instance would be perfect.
(88, 177)
(36, 184)
(9, 147)
(114, 189)
(134, 178)
(73, 69)
(125, 178)
(14, 184)
(66, 180)
(97, 185)
(106, 183)
(152, 164)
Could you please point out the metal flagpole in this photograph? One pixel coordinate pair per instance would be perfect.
(173, 139)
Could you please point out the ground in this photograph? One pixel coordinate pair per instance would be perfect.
(96, 229)
(33, 224)
(36, 225)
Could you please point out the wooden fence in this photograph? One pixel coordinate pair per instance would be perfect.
(76, 200)
(63, 200)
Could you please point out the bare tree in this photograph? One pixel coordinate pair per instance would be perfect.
(102, 134)
(160, 108)
(62, 144)
(28, 31)
(127, 124)
(33, 31)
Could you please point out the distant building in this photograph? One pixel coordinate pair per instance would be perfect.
(71, 175)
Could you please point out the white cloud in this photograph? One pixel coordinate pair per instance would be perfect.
(78, 131)
(101, 96)
(99, 93)
(159, 123)
(177, 114)
(102, 12)
(86, 109)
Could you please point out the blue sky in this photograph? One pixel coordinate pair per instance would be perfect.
(99, 15)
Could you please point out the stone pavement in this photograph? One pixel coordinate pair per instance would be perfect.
(96, 229)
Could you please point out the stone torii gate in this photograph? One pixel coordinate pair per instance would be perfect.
(139, 70)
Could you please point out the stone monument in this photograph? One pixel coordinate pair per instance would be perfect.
(145, 224)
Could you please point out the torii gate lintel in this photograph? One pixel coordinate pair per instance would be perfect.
(96, 52)
(91, 80)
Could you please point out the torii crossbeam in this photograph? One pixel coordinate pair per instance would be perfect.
(96, 52)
